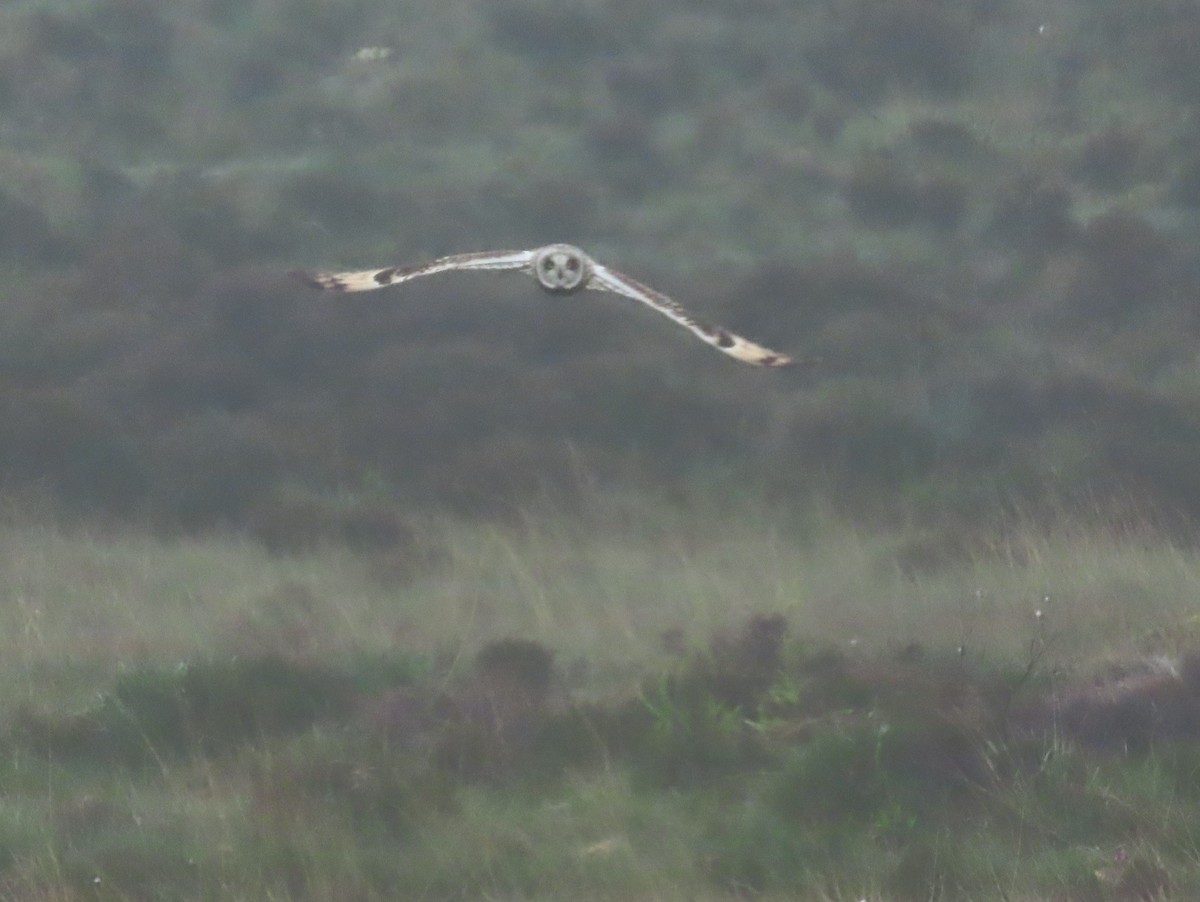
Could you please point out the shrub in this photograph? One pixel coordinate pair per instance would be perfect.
(1109, 159)
(203, 707)
(496, 718)
(1033, 215)
(1128, 265)
(921, 45)
(50, 437)
(288, 524)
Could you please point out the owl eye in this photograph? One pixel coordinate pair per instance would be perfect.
(548, 264)
(573, 264)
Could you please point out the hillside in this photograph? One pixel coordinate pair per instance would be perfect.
(975, 223)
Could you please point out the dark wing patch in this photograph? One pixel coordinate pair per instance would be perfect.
(605, 279)
(370, 279)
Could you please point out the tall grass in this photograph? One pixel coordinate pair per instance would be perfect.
(111, 640)
(602, 588)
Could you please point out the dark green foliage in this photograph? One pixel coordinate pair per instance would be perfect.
(383, 793)
(140, 260)
(767, 164)
(129, 861)
(751, 853)
(290, 525)
(207, 707)
(216, 704)
(130, 36)
(625, 154)
(525, 665)
(17, 833)
(212, 469)
(995, 300)
(802, 770)
(927, 869)
(836, 778)
(1109, 160)
(880, 193)
(691, 736)
(922, 45)
(354, 202)
(580, 736)
(1178, 765)
(1186, 187)
(839, 802)
(1127, 264)
(550, 33)
(886, 447)
(377, 671)
(29, 238)
(651, 86)
(1169, 45)
(699, 723)
(1034, 215)
(946, 138)
(494, 725)
(50, 437)
(891, 785)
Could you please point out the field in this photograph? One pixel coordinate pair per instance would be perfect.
(460, 590)
(631, 701)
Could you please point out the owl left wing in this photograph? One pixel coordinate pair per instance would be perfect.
(368, 279)
(605, 279)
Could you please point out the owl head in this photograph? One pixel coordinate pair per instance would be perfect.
(562, 268)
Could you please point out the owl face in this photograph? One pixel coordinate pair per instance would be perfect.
(562, 268)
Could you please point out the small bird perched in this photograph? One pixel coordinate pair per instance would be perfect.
(558, 269)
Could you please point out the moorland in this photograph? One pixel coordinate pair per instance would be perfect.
(464, 591)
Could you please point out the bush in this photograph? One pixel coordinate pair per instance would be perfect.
(925, 46)
(204, 707)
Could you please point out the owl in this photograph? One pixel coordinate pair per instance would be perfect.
(559, 269)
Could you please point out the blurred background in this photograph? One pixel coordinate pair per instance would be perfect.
(460, 590)
(975, 222)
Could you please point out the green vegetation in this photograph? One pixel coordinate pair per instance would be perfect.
(695, 708)
(466, 592)
(975, 222)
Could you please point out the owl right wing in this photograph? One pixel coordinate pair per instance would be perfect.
(368, 279)
(605, 279)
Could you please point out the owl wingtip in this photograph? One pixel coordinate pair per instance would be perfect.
(759, 356)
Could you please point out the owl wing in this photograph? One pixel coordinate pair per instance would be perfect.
(367, 279)
(605, 279)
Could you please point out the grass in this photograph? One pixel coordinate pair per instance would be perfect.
(742, 704)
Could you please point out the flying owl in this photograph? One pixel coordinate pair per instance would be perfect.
(558, 269)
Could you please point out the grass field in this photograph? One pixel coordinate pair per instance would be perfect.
(241, 661)
(739, 704)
